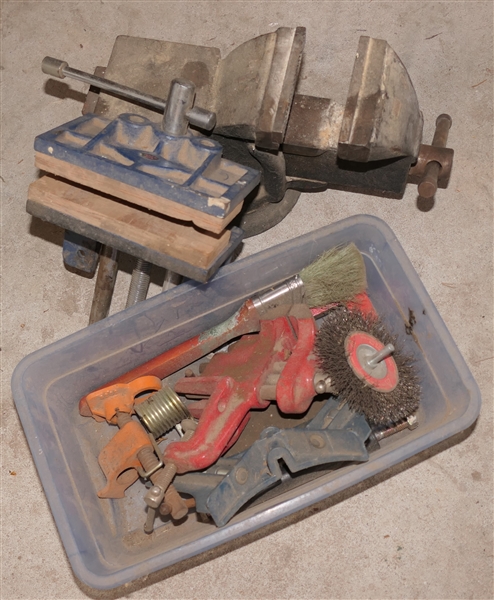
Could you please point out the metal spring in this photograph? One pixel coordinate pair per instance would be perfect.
(162, 411)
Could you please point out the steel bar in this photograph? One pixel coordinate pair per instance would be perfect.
(105, 283)
(59, 68)
(428, 185)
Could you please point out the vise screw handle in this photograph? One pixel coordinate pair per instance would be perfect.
(428, 185)
(200, 117)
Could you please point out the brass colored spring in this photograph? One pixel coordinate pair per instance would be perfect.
(162, 411)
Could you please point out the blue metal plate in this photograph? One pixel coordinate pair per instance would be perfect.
(132, 149)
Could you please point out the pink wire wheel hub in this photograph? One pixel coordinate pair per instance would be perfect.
(371, 361)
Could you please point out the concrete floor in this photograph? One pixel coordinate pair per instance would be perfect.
(420, 530)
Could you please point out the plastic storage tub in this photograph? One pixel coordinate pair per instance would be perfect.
(103, 538)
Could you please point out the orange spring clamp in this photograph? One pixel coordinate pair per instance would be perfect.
(119, 459)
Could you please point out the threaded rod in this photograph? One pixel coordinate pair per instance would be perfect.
(139, 284)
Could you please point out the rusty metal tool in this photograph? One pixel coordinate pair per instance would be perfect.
(133, 452)
(434, 163)
(120, 460)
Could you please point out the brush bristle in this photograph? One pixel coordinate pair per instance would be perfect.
(379, 408)
(336, 276)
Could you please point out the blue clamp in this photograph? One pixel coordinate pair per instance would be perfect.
(335, 434)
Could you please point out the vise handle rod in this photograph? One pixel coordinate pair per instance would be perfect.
(200, 117)
(428, 185)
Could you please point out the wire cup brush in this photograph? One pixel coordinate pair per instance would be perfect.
(367, 367)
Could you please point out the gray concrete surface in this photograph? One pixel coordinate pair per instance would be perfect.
(420, 530)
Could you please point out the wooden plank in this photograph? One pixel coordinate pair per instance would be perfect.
(133, 195)
(175, 239)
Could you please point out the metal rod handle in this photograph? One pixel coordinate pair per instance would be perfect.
(55, 67)
(428, 185)
(139, 283)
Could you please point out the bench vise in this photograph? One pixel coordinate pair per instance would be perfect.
(372, 144)
(183, 198)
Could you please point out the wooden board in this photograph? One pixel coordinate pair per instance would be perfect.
(102, 213)
(133, 195)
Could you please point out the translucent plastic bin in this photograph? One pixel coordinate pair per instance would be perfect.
(103, 538)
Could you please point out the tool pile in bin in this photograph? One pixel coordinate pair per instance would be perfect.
(270, 351)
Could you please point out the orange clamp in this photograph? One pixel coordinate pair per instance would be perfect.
(104, 403)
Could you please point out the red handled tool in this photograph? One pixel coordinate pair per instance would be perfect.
(277, 364)
(336, 276)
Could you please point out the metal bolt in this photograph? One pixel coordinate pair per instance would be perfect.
(317, 441)
(320, 386)
(174, 501)
(162, 480)
(241, 475)
(322, 383)
(411, 423)
(105, 283)
(166, 509)
(171, 280)
(149, 524)
(154, 496)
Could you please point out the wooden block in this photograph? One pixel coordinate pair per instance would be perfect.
(133, 195)
(105, 214)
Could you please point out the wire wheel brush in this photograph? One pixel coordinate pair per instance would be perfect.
(366, 367)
